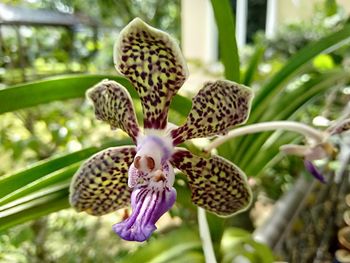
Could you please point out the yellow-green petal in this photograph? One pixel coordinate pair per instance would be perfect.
(152, 61)
(218, 107)
(100, 186)
(113, 105)
(217, 185)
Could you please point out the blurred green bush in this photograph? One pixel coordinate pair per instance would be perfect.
(60, 134)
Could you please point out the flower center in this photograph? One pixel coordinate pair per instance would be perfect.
(152, 153)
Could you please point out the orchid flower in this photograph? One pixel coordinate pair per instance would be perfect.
(318, 143)
(310, 153)
(317, 150)
(143, 175)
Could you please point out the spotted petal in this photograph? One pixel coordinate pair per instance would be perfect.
(100, 186)
(152, 61)
(218, 107)
(113, 105)
(216, 184)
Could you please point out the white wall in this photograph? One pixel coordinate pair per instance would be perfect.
(199, 33)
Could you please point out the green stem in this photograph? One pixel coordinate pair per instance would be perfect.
(205, 237)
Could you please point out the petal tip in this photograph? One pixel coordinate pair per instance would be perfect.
(148, 206)
(133, 234)
(137, 25)
(311, 168)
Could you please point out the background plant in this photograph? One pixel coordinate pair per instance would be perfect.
(49, 126)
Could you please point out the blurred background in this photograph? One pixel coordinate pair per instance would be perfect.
(294, 54)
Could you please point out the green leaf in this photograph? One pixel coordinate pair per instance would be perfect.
(66, 87)
(57, 88)
(40, 184)
(253, 65)
(17, 180)
(34, 209)
(245, 146)
(191, 256)
(330, 7)
(287, 103)
(167, 248)
(290, 104)
(227, 38)
(270, 155)
(238, 242)
(262, 100)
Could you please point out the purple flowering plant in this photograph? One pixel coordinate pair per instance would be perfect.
(318, 144)
(143, 175)
(320, 147)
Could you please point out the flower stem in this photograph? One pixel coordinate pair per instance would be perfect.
(301, 128)
(205, 237)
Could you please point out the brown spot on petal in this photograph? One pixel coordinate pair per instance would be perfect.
(159, 176)
(137, 162)
(217, 185)
(125, 214)
(218, 107)
(113, 105)
(100, 186)
(153, 63)
(150, 163)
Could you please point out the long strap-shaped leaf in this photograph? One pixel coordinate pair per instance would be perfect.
(264, 97)
(66, 87)
(253, 65)
(291, 103)
(48, 181)
(17, 180)
(297, 102)
(34, 209)
(227, 38)
(305, 55)
(57, 88)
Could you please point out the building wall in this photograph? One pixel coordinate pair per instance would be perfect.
(199, 33)
(297, 10)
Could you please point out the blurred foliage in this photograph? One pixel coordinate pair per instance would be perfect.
(115, 13)
(327, 18)
(265, 58)
(35, 134)
(237, 246)
(298, 88)
(70, 237)
(47, 52)
(44, 51)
